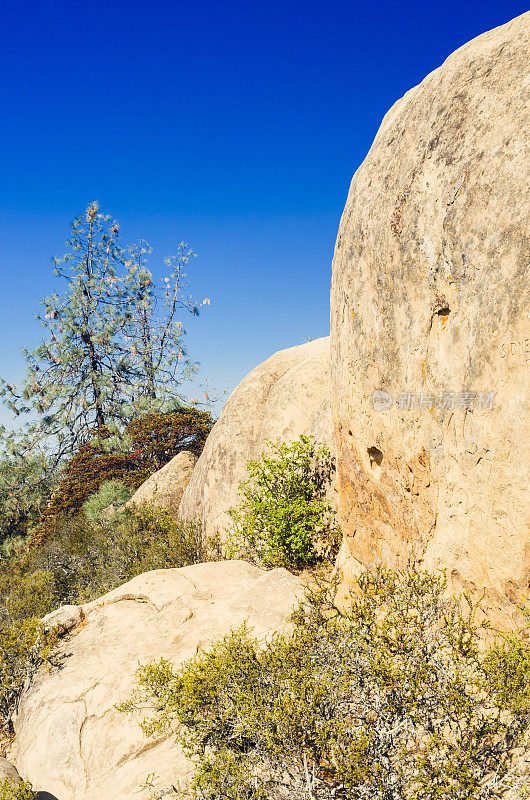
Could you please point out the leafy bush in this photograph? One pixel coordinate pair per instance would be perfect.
(81, 478)
(25, 597)
(154, 439)
(110, 493)
(385, 698)
(9, 790)
(84, 560)
(146, 445)
(283, 518)
(26, 590)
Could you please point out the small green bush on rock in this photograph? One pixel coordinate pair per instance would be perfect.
(284, 518)
(385, 698)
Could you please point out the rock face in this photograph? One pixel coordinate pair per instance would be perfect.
(164, 488)
(70, 740)
(280, 399)
(430, 296)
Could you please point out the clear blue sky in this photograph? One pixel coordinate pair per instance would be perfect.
(235, 126)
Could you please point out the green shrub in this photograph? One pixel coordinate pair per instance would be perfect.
(26, 595)
(88, 560)
(508, 670)
(9, 790)
(110, 493)
(25, 591)
(24, 646)
(283, 518)
(385, 698)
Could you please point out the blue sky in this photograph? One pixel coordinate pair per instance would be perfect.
(234, 126)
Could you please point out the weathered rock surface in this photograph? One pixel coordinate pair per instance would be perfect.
(70, 739)
(283, 397)
(430, 295)
(165, 487)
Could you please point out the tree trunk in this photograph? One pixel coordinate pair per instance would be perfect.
(100, 416)
(148, 357)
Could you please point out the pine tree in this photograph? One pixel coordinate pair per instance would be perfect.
(76, 378)
(113, 347)
(155, 334)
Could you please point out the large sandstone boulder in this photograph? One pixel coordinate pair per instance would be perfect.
(280, 399)
(430, 296)
(70, 739)
(165, 487)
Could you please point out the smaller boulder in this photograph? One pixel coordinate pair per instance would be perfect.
(164, 488)
(64, 619)
(8, 771)
(285, 396)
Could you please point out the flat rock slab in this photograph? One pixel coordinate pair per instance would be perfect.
(70, 739)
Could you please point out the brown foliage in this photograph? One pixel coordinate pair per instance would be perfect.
(153, 441)
(158, 437)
